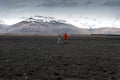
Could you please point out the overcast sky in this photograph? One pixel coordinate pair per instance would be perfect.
(12, 10)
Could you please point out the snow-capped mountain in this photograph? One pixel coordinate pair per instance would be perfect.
(44, 19)
(45, 25)
(50, 25)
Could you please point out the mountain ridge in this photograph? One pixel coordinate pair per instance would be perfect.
(50, 25)
(45, 25)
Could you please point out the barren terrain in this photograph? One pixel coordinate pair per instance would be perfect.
(41, 58)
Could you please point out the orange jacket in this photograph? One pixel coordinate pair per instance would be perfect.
(65, 36)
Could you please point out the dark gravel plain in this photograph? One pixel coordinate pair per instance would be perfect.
(41, 58)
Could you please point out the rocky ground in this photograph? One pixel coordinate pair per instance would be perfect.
(41, 58)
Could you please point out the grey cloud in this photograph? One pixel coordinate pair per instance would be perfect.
(20, 5)
(58, 3)
(12, 4)
(112, 3)
(45, 3)
(71, 3)
(88, 2)
(68, 3)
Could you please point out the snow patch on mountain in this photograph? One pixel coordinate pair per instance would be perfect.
(44, 19)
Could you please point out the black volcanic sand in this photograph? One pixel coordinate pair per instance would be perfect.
(41, 58)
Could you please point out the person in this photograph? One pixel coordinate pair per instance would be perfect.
(65, 37)
(59, 41)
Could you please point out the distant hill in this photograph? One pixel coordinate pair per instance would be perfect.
(106, 30)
